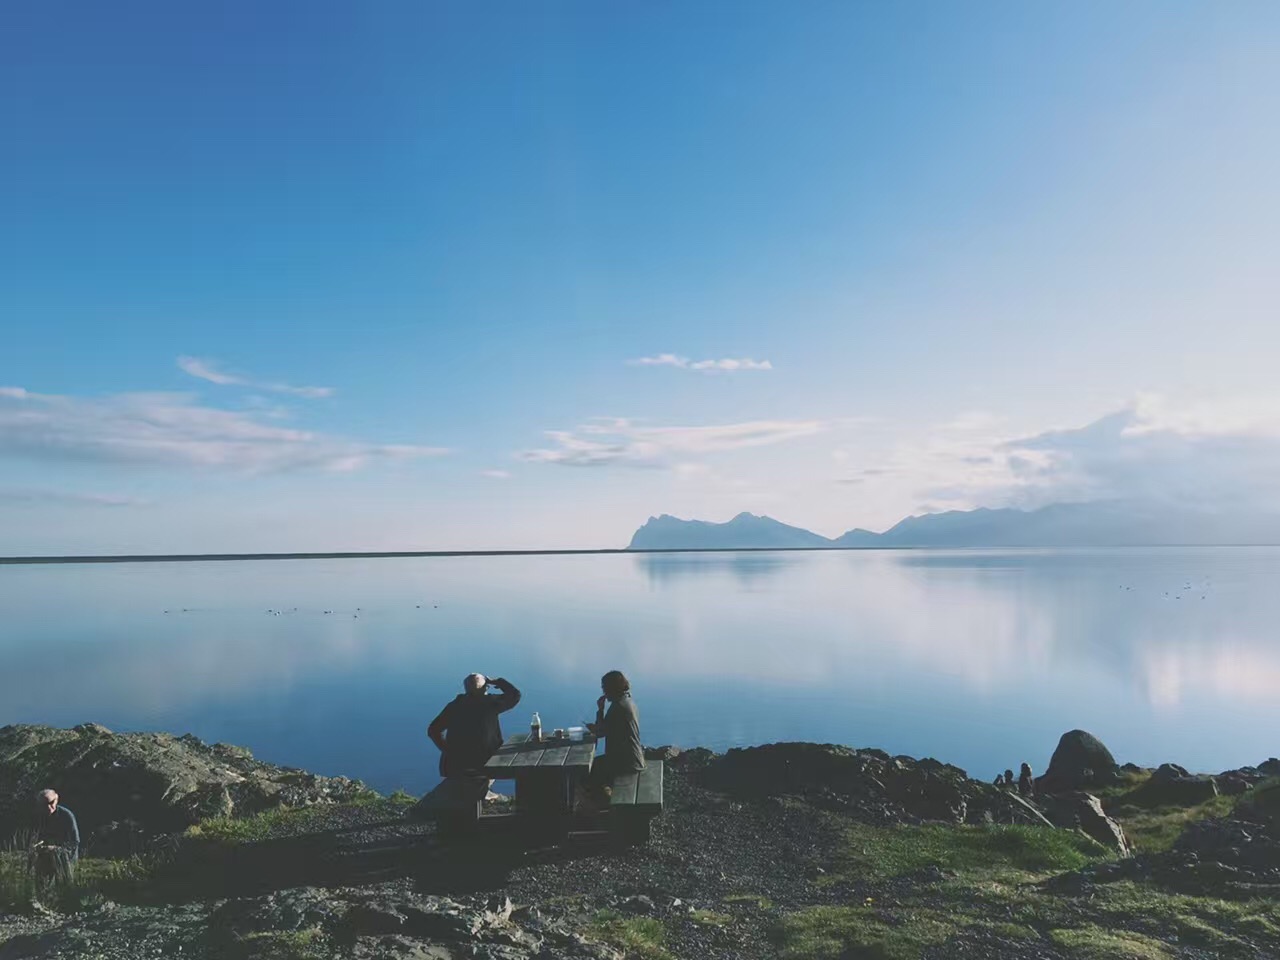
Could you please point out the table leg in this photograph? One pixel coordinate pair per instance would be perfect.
(542, 802)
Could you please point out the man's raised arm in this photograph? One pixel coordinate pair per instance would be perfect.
(509, 697)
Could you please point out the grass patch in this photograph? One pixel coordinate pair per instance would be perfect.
(402, 798)
(1094, 943)
(709, 918)
(819, 933)
(636, 936)
(281, 945)
(235, 830)
(881, 853)
(1156, 830)
(17, 886)
(93, 878)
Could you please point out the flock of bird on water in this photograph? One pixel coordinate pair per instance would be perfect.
(278, 613)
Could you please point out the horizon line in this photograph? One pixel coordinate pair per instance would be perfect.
(579, 551)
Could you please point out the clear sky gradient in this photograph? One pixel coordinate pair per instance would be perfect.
(405, 275)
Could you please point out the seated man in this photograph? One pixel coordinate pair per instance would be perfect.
(620, 728)
(467, 730)
(57, 847)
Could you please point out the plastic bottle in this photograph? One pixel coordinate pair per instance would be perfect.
(535, 727)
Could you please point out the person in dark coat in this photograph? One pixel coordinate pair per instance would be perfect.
(467, 730)
(57, 845)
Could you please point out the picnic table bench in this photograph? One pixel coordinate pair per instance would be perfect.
(545, 774)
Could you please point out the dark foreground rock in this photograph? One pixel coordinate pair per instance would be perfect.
(123, 786)
(389, 921)
(876, 787)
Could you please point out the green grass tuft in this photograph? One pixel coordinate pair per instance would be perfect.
(819, 933)
(281, 945)
(709, 918)
(881, 853)
(1154, 830)
(235, 830)
(1094, 943)
(641, 937)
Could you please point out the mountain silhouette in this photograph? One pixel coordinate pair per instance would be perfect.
(1098, 524)
(745, 530)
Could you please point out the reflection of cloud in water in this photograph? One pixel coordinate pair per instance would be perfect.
(1238, 672)
(748, 568)
(997, 625)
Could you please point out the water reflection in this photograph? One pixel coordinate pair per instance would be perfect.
(749, 569)
(976, 657)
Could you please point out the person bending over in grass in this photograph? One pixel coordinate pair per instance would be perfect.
(620, 728)
(57, 847)
(467, 730)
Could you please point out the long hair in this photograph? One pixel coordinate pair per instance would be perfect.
(615, 684)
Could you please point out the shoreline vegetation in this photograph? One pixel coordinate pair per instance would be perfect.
(785, 850)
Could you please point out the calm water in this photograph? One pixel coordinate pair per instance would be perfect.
(978, 658)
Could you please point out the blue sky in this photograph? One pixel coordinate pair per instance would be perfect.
(982, 255)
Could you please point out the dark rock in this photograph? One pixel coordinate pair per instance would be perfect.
(1270, 767)
(1080, 760)
(1083, 812)
(156, 782)
(639, 905)
(1171, 785)
(1233, 783)
(665, 754)
(867, 783)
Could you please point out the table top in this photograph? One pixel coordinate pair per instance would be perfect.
(519, 755)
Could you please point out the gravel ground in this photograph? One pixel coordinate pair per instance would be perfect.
(719, 873)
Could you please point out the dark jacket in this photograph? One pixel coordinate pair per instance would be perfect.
(472, 734)
(59, 829)
(623, 752)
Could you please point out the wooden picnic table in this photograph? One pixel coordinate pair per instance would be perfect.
(544, 771)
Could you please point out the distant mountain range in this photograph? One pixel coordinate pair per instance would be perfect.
(1099, 524)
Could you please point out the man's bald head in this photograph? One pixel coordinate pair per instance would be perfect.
(48, 799)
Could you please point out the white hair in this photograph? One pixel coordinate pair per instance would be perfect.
(473, 682)
(47, 795)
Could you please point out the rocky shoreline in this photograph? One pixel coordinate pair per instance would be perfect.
(791, 850)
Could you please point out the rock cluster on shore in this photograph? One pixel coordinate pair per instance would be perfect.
(140, 785)
(750, 840)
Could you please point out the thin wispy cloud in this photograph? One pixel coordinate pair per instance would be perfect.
(66, 498)
(496, 474)
(726, 365)
(164, 429)
(208, 370)
(622, 442)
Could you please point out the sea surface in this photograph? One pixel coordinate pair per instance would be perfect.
(978, 658)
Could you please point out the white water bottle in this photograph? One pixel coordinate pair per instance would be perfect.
(535, 727)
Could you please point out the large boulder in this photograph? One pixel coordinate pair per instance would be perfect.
(869, 784)
(152, 782)
(1083, 812)
(1080, 760)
